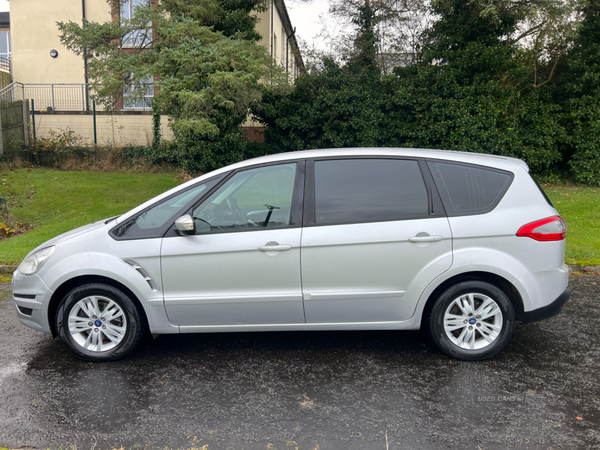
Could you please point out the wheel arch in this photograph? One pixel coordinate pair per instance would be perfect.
(70, 284)
(500, 282)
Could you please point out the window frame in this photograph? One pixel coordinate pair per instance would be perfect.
(435, 206)
(146, 99)
(135, 38)
(8, 53)
(296, 208)
(303, 211)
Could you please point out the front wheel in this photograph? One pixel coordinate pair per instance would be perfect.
(98, 322)
(472, 320)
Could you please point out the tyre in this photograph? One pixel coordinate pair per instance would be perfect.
(98, 322)
(472, 320)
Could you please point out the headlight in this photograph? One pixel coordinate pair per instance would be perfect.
(35, 261)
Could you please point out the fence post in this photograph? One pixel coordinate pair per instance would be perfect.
(95, 135)
(33, 121)
(1, 137)
(52, 89)
(24, 106)
(83, 108)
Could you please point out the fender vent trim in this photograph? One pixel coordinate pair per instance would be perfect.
(143, 272)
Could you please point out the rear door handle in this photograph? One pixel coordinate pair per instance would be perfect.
(425, 238)
(275, 248)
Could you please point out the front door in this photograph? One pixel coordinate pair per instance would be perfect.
(242, 267)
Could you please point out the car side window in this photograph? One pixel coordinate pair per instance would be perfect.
(368, 190)
(468, 189)
(251, 199)
(152, 221)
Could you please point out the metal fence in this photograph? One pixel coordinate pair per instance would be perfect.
(50, 96)
(58, 97)
(72, 96)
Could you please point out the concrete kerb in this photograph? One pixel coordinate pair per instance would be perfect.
(7, 269)
(595, 269)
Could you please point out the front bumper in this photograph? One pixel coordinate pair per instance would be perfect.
(31, 297)
(550, 310)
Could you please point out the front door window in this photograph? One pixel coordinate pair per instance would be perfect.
(251, 199)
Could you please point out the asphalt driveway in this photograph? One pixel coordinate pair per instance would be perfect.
(339, 390)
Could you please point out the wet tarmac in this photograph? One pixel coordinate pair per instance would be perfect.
(326, 390)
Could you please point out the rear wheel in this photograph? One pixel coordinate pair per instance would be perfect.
(98, 322)
(472, 320)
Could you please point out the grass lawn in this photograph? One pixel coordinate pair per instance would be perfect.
(53, 201)
(580, 207)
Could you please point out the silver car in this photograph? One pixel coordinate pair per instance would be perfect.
(462, 244)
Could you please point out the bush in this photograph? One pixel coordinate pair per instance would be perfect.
(196, 155)
(6, 230)
(162, 153)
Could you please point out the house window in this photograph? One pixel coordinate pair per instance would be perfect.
(139, 95)
(283, 45)
(5, 44)
(140, 37)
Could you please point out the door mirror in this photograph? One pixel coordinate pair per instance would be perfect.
(185, 225)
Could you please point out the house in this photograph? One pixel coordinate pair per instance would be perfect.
(56, 79)
(4, 49)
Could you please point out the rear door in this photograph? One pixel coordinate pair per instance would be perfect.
(375, 235)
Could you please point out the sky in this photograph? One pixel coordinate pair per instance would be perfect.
(304, 16)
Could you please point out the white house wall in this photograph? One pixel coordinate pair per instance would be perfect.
(34, 34)
(111, 130)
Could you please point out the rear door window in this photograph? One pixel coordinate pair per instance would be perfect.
(469, 189)
(368, 190)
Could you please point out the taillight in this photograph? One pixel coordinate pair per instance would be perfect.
(548, 229)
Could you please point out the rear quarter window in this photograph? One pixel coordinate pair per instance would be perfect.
(468, 189)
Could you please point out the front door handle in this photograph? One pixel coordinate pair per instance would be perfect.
(425, 238)
(275, 248)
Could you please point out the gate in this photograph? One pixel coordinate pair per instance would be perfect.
(13, 124)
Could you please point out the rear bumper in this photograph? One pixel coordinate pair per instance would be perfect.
(550, 310)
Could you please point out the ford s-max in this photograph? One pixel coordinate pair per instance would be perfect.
(464, 245)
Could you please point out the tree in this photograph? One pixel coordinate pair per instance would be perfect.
(331, 108)
(335, 106)
(469, 94)
(579, 93)
(203, 57)
(464, 94)
(396, 26)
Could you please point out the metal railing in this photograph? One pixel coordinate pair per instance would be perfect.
(58, 96)
(71, 96)
(5, 63)
(48, 96)
(13, 92)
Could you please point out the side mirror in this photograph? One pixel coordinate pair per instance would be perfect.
(185, 226)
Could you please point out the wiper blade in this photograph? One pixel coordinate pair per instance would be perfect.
(111, 219)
